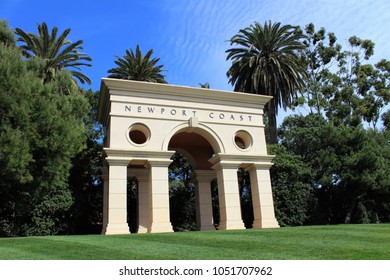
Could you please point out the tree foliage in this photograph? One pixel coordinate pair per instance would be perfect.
(340, 85)
(40, 132)
(338, 142)
(135, 66)
(85, 214)
(6, 34)
(292, 183)
(349, 166)
(56, 52)
(43, 132)
(181, 194)
(265, 61)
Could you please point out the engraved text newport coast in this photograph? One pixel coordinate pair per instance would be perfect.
(180, 112)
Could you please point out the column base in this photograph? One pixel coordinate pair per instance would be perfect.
(142, 229)
(206, 227)
(231, 225)
(116, 229)
(160, 227)
(265, 223)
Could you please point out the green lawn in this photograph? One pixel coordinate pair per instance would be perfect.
(352, 242)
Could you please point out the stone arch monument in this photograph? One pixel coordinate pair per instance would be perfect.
(217, 131)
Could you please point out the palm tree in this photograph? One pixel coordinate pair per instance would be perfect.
(57, 53)
(137, 67)
(265, 61)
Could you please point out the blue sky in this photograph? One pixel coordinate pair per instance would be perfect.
(190, 36)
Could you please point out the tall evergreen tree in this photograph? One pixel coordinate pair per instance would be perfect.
(265, 61)
(56, 52)
(41, 130)
(349, 167)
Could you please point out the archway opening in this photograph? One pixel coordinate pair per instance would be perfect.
(181, 194)
(192, 154)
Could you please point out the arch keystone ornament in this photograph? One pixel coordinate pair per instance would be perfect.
(217, 132)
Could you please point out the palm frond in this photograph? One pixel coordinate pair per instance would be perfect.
(135, 66)
(58, 52)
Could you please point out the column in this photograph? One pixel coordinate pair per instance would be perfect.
(143, 198)
(263, 205)
(159, 196)
(116, 201)
(204, 207)
(229, 196)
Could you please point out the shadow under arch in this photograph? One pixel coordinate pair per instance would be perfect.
(195, 146)
(203, 130)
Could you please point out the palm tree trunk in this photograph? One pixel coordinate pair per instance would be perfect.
(273, 135)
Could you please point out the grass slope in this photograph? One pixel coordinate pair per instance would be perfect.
(351, 242)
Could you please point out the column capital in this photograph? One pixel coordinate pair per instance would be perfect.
(258, 166)
(247, 162)
(225, 165)
(117, 162)
(224, 161)
(207, 175)
(158, 163)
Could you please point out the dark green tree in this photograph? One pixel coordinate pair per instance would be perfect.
(386, 120)
(56, 52)
(349, 167)
(292, 186)
(41, 130)
(135, 66)
(85, 215)
(265, 61)
(6, 34)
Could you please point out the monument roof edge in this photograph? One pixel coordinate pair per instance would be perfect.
(176, 90)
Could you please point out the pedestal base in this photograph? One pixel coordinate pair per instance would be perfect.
(266, 223)
(231, 225)
(116, 229)
(160, 227)
(208, 227)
